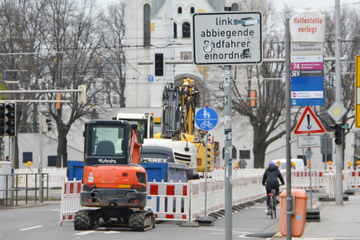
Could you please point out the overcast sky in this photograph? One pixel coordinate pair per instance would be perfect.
(298, 4)
(314, 4)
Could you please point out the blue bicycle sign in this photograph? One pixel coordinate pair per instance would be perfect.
(206, 118)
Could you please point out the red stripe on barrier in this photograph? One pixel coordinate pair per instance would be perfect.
(70, 217)
(170, 190)
(353, 174)
(78, 188)
(184, 190)
(71, 188)
(183, 216)
(169, 216)
(320, 174)
(154, 189)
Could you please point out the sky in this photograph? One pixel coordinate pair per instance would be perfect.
(314, 4)
(298, 4)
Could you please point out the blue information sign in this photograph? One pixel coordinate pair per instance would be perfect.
(150, 78)
(206, 118)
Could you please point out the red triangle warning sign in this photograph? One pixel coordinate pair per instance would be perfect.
(309, 123)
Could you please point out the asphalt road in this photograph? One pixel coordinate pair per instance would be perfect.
(42, 222)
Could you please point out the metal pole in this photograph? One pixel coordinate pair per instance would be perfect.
(169, 54)
(12, 158)
(204, 86)
(228, 148)
(206, 167)
(339, 155)
(310, 182)
(40, 157)
(288, 134)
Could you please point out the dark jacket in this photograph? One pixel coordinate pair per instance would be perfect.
(271, 176)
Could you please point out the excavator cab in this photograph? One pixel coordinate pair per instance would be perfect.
(106, 142)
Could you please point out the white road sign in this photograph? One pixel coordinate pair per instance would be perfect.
(227, 38)
(309, 141)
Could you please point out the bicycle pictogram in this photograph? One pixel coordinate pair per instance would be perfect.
(206, 124)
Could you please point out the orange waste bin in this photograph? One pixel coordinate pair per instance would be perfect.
(298, 220)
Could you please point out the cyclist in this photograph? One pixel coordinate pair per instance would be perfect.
(270, 177)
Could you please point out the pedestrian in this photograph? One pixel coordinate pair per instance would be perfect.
(7, 159)
(270, 179)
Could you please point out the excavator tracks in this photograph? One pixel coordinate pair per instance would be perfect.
(142, 221)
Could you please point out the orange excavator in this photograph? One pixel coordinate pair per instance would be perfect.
(113, 182)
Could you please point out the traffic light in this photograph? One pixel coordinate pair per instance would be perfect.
(338, 133)
(10, 119)
(159, 64)
(252, 102)
(82, 95)
(46, 124)
(2, 119)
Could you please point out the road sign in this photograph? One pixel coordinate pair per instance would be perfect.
(326, 144)
(309, 123)
(308, 141)
(150, 78)
(227, 38)
(307, 80)
(336, 111)
(206, 118)
(307, 48)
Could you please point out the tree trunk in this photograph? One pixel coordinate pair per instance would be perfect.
(259, 154)
(61, 160)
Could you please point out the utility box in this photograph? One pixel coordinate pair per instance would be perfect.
(75, 169)
(166, 172)
(5, 168)
(299, 218)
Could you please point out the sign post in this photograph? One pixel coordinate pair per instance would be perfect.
(206, 119)
(227, 38)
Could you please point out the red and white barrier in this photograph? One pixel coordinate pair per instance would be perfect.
(70, 200)
(168, 200)
(186, 201)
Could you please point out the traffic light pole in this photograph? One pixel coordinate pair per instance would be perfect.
(41, 185)
(339, 155)
(228, 148)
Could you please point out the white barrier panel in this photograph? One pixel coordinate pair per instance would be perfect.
(57, 177)
(168, 200)
(70, 200)
(353, 179)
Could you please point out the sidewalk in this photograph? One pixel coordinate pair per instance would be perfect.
(336, 221)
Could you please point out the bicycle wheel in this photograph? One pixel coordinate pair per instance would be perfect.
(274, 205)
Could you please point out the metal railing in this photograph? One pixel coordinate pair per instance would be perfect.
(18, 184)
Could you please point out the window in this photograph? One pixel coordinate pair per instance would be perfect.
(147, 25)
(234, 7)
(233, 152)
(106, 140)
(192, 10)
(244, 154)
(27, 156)
(52, 161)
(175, 30)
(186, 30)
(179, 10)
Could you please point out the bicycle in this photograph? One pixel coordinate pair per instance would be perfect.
(272, 203)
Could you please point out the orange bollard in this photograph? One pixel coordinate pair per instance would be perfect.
(298, 220)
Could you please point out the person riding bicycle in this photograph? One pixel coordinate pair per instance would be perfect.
(270, 177)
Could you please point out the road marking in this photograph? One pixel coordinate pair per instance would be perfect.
(84, 233)
(29, 228)
(111, 232)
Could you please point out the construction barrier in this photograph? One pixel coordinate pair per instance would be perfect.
(168, 201)
(186, 201)
(70, 200)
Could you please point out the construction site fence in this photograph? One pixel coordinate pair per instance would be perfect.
(186, 201)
